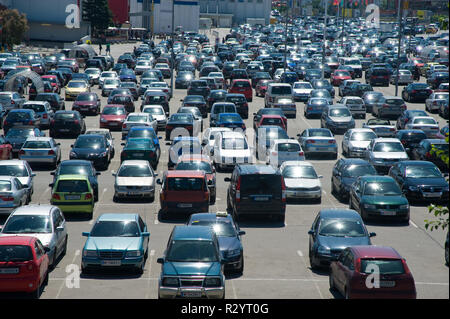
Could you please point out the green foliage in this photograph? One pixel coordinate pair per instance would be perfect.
(98, 13)
(14, 26)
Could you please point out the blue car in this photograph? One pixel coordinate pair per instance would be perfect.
(116, 241)
(231, 120)
(192, 265)
(314, 107)
(127, 75)
(332, 231)
(16, 136)
(147, 132)
(228, 234)
(20, 117)
(183, 145)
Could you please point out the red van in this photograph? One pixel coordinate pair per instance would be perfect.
(23, 265)
(242, 86)
(390, 276)
(184, 191)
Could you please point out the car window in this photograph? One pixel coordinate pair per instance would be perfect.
(15, 253)
(72, 186)
(115, 229)
(192, 251)
(384, 266)
(341, 228)
(185, 184)
(260, 184)
(382, 189)
(27, 224)
(134, 171)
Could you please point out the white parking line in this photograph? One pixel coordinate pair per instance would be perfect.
(152, 253)
(299, 252)
(412, 223)
(310, 274)
(77, 253)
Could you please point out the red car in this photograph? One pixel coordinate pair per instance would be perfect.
(5, 149)
(272, 119)
(87, 102)
(242, 86)
(73, 65)
(338, 76)
(23, 265)
(53, 81)
(184, 191)
(350, 271)
(261, 87)
(113, 116)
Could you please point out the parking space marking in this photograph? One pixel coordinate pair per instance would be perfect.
(97, 205)
(310, 274)
(77, 253)
(413, 224)
(152, 253)
(299, 252)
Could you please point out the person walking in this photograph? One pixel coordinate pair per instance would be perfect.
(108, 48)
(100, 48)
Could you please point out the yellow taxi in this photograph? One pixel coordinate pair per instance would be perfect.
(75, 87)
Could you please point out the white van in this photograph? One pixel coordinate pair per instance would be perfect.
(276, 91)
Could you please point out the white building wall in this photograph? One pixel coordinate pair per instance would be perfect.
(186, 16)
(241, 9)
(136, 22)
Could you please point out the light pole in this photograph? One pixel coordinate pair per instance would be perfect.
(400, 13)
(285, 36)
(324, 39)
(173, 53)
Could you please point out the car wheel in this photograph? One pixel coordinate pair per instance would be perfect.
(64, 251)
(241, 269)
(331, 281)
(311, 261)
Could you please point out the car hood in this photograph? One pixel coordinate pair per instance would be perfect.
(344, 119)
(384, 200)
(135, 181)
(87, 151)
(361, 144)
(229, 243)
(191, 268)
(427, 181)
(390, 155)
(302, 182)
(342, 242)
(113, 243)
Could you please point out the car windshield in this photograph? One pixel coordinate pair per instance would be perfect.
(424, 121)
(115, 229)
(261, 184)
(18, 116)
(382, 189)
(137, 118)
(422, 171)
(114, 111)
(27, 224)
(135, 171)
(192, 251)
(363, 136)
(36, 144)
(185, 184)
(195, 166)
(154, 110)
(221, 228)
(288, 147)
(77, 85)
(388, 147)
(72, 186)
(112, 81)
(340, 112)
(282, 90)
(75, 170)
(15, 253)
(234, 144)
(139, 143)
(34, 107)
(86, 97)
(354, 101)
(341, 228)
(307, 172)
(20, 132)
(302, 86)
(383, 266)
(354, 171)
(90, 142)
(64, 116)
(13, 170)
(230, 118)
(320, 133)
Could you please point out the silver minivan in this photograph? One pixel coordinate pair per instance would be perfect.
(220, 107)
(276, 91)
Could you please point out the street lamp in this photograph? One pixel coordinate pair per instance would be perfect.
(324, 38)
(400, 13)
(173, 53)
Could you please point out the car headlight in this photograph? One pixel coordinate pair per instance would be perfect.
(413, 188)
(134, 253)
(90, 253)
(232, 253)
(103, 154)
(73, 154)
(315, 189)
(103, 120)
(213, 282)
(404, 206)
(378, 160)
(322, 250)
(369, 206)
(170, 282)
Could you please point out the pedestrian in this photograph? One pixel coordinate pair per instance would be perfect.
(108, 48)
(100, 48)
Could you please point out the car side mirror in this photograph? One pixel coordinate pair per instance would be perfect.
(211, 152)
(227, 179)
(85, 234)
(71, 146)
(158, 181)
(145, 234)
(311, 232)
(372, 234)
(123, 144)
(52, 173)
(160, 260)
(47, 249)
(51, 185)
(60, 228)
(320, 176)
(241, 232)
(33, 174)
(97, 173)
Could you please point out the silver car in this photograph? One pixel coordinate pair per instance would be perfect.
(134, 179)
(45, 222)
(109, 85)
(383, 128)
(43, 111)
(12, 194)
(41, 150)
(11, 100)
(138, 119)
(356, 105)
(302, 181)
(435, 100)
(337, 118)
(382, 153)
(356, 141)
(158, 113)
(20, 169)
(94, 74)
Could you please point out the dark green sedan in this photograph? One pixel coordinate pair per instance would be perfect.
(378, 197)
(140, 149)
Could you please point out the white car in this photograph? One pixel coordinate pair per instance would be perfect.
(94, 74)
(109, 85)
(435, 100)
(142, 66)
(382, 153)
(134, 179)
(425, 123)
(209, 135)
(41, 150)
(106, 75)
(381, 127)
(138, 119)
(301, 91)
(157, 112)
(301, 180)
(45, 222)
(283, 150)
(355, 141)
(163, 86)
(405, 77)
(218, 77)
(230, 148)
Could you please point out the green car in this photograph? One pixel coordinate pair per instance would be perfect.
(378, 197)
(73, 194)
(140, 149)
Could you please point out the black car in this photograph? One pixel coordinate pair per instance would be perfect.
(344, 174)
(78, 167)
(370, 99)
(323, 84)
(241, 103)
(228, 67)
(67, 74)
(215, 96)
(260, 76)
(179, 120)
(437, 78)
(358, 89)
(22, 118)
(67, 123)
(94, 63)
(420, 181)
(183, 79)
(378, 76)
(17, 136)
(199, 87)
(92, 147)
(256, 189)
(416, 92)
(423, 152)
(128, 59)
(196, 101)
(238, 74)
(407, 115)
(410, 139)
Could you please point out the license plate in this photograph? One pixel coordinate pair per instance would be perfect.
(388, 213)
(72, 197)
(261, 199)
(138, 154)
(113, 124)
(387, 284)
(184, 205)
(64, 130)
(111, 263)
(192, 294)
(133, 193)
(432, 194)
(9, 270)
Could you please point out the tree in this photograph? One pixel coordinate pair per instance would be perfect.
(98, 13)
(13, 25)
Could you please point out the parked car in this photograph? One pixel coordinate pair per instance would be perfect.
(92, 147)
(416, 92)
(371, 98)
(437, 100)
(41, 150)
(406, 116)
(355, 105)
(67, 123)
(13, 194)
(20, 118)
(381, 127)
(134, 179)
(87, 103)
(43, 111)
(423, 152)
(197, 101)
(301, 180)
(138, 119)
(356, 141)
(382, 153)
(230, 149)
(140, 148)
(337, 118)
(56, 103)
(180, 124)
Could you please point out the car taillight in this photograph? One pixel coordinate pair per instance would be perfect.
(168, 127)
(275, 153)
(12, 102)
(189, 127)
(7, 198)
(301, 153)
(206, 196)
(124, 125)
(405, 266)
(332, 141)
(52, 122)
(56, 197)
(77, 122)
(413, 91)
(358, 265)
(238, 190)
(45, 116)
(88, 196)
(51, 152)
(428, 155)
(385, 105)
(392, 129)
(283, 190)
(404, 107)
(22, 152)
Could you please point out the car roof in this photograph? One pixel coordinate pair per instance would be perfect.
(72, 177)
(76, 162)
(256, 169)
(386, 139)
(118, 217)
(339, 213)
(232, 134)
(192, 233)
(14, 162)
(39, 138)
(34, 209)
(209, 216)
(135, 162)
(185, 173)
(297, 163)
(17, 240)
(375, 252)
